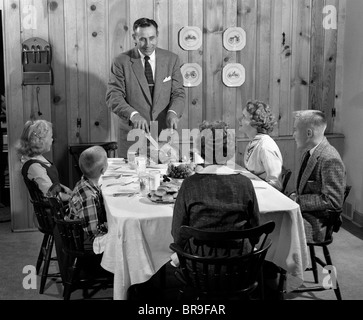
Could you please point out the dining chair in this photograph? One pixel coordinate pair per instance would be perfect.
(76, 149)
(285, 177)
(221, 264)
(42, 211)
(82, 267)
(333, 225)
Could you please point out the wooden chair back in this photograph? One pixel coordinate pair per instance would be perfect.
(222, 264)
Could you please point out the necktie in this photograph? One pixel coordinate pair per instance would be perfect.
(149, 75)
(303, 166)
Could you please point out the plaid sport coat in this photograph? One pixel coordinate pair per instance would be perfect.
(323, 182)
(321, 188)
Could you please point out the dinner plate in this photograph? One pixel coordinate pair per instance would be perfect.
(234, 75)
(192, 74)
(234, 39)
(162, 166)
(190, 38)
(160, 201)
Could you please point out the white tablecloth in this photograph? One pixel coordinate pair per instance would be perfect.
(140, 233)
(288, 250)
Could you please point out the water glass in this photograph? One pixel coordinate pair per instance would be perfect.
(154, 179)
(131, 159)
(144, 180)
(140, 164)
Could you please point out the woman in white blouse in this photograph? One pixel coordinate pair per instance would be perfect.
(262, 155)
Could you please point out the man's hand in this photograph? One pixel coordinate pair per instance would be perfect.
(172, 120)
(293, 196)
(139, 122)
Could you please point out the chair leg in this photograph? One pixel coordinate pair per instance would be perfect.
(162, 281)
(314, 268)
(261, 285)
(282, 282)
(68, 284)
(330, 263)
(41, 252)
(48, 255)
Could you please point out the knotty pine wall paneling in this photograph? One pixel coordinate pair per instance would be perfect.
(177, 19)
(58, 97)
(97, 36)
(20, 206)
(247, 19)
(119, 40)
(194, 103)
(230, 16)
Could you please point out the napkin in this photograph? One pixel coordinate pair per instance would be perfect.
(99, 243)
(174, 260)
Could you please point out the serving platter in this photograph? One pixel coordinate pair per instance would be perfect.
(149, 196)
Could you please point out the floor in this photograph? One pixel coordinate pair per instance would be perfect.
(19, 252)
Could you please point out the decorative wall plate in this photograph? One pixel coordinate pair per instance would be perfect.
(234, 39)
(190, 38)
(234, 75)
(192, 74)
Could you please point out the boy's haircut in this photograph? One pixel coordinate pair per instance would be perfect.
(91, 161)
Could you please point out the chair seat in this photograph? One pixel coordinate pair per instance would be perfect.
(331, 222)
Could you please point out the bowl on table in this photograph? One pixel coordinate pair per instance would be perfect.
(179, 171)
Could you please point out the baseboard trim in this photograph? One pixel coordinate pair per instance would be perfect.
(357, 218)
(24, 230)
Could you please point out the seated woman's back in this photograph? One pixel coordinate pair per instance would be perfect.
(35, 141)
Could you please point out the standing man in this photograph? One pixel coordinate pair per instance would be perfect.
(321, 182)
(145, 85)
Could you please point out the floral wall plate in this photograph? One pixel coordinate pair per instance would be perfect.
(234, 39)
(190, 38)
(192, 74)
(234, 75)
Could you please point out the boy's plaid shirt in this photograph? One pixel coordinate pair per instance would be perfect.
(86, 203)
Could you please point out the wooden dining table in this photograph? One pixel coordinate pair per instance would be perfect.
(139, 234)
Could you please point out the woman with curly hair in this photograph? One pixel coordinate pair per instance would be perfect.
(36, 139)
(262, 155)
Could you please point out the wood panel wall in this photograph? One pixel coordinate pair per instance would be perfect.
(291, 62)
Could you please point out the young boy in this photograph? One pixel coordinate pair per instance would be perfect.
(86, 201)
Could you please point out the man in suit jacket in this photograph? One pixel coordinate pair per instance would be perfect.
(321, 180)
(128, 93)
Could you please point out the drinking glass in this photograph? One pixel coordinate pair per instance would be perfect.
(144, 180)
(154, 179)
(140, 164)
(131, 159)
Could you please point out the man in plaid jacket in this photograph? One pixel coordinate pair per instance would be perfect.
(321, 181)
